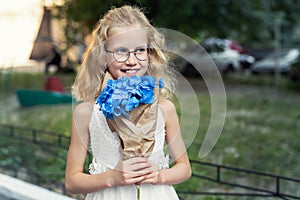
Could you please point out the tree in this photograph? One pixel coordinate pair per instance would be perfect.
(247, 21)
(250, 22)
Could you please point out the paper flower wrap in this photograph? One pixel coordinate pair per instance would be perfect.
(131, 106)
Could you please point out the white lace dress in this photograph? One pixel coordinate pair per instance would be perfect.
(105, 146)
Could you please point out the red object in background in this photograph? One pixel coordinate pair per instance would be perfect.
(54, 83)
(236, 46)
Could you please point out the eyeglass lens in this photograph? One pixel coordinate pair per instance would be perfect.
(122, 54)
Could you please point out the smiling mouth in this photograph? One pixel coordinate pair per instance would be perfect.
(129, 71)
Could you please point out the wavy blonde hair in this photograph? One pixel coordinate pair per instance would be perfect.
(92, 70)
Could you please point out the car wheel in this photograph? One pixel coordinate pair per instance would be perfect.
(229, 69)
(254, 72)
(293, 75)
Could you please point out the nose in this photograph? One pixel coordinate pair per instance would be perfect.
(132, 59)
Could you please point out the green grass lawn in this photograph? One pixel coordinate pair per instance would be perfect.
(261, 131)
(259, 134)
(56, 118)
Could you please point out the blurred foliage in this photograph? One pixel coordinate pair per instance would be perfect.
(250, 22)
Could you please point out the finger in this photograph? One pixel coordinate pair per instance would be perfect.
(147, 180)
(152, 178)
(123, 164)
(136, 160)
(141, 166)
(136, 168)
(129, 175)
(136, 164)
(135, 180)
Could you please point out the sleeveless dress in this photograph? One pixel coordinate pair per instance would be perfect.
(105, 148)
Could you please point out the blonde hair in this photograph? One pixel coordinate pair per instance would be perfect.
(91, 73)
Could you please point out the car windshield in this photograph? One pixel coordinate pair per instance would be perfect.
(213, 48)
(285, 54)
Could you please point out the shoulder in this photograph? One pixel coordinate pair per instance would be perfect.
(81, 117)
(166, 103)
(83, 110)
(168, 108)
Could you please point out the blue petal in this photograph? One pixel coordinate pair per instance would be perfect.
(117, 111)
(161, 83)
(124, 94)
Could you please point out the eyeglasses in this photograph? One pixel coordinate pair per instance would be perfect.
(123, 54)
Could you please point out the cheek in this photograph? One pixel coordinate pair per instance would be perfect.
(114, 68)
(115, 65)
(144, 64)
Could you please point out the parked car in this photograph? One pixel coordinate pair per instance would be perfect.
(268, 65)
(224, 53)
(246, 61)
(215, 51)
(294, 72)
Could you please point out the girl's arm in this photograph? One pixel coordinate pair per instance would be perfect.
(127, 172)
(181, 169)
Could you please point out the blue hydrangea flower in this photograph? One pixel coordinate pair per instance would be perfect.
(161, 83)
(122, 95)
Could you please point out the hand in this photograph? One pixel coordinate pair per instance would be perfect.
(132, 171)
(154, 177)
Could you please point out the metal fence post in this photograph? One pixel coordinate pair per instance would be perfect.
(34, 136)
(59, 140)
(11, 131)
(277, 185)
(218, 174)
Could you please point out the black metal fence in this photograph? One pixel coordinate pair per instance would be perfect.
(51, 142)
(38, 136)
(275, 182)
(54, 142)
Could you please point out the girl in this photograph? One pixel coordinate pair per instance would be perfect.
(124, 44)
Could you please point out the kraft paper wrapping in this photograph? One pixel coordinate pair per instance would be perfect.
(137, 132)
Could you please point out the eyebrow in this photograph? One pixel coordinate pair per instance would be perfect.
(120, 47)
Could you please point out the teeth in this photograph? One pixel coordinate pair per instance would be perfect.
(131, 71)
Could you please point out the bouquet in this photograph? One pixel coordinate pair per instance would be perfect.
(131, 106)
(124, 94)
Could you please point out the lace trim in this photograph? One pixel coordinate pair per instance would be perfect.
(164, 162)
(97, 168)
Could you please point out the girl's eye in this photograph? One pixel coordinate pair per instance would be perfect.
(140, 50)
(121, 51)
